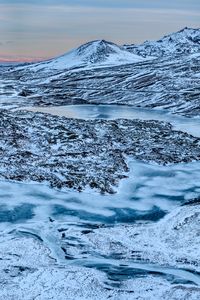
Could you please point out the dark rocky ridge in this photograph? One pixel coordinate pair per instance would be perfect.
(70, 153)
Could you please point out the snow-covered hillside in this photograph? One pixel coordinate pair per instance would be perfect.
(92, 54)
(102, 72)
(185, 41)
(125, 224)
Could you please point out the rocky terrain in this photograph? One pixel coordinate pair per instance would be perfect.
(168, 81)
(92, 235)
(70, 153)
(185, 41)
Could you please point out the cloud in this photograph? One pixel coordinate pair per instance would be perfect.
(48, 28)
(5, 43)
(173, 4)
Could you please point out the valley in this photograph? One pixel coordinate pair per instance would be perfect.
(100, 173)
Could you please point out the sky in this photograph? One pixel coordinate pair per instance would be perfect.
(38, 29)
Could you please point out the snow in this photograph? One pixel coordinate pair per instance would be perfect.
(56, 245)
(78, 154)
(185, 41)
(108, 112)
(93, 54)
(166, 252)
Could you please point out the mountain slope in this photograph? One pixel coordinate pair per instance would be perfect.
(185, 41)
(92, 54)
(97, 75)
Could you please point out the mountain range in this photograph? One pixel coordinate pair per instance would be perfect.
(96, 53)
(185, 41)
(158, 74)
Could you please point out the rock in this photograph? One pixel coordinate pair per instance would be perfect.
(75, 154)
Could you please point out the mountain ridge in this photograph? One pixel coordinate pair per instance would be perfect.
(184, 41)
(94, 53)
(165, 82)
(100, 53)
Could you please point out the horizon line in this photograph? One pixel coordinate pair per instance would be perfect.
(28, 59)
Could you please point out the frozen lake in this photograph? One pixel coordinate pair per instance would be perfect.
(150, 192)
(111, 112)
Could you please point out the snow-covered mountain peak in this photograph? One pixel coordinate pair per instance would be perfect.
(97, 51)
(101, 53)
(93, 54)
(185, 41)
(185, 35)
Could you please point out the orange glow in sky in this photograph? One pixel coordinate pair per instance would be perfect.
(43, 29)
